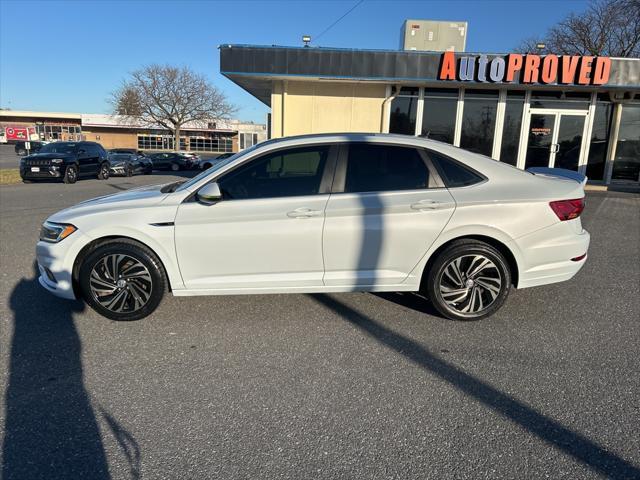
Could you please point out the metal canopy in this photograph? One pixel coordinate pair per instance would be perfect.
(255, 67)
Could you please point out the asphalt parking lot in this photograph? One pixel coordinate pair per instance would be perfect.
(321, 386)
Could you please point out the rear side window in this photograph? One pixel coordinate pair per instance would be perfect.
(379, 168)
(454, 174)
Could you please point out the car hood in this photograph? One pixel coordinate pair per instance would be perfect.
(130, 199)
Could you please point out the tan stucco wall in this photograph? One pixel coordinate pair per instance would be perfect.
(322, 107)
(110, 139)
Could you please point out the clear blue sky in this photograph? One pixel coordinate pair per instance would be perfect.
(67, 56)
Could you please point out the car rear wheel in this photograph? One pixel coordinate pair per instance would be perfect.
(70, 174)
(122, 280)
(103, 173)
(469, 280)
(175, 167)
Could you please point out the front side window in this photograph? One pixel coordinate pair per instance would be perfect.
(376, 168)
(286, 173)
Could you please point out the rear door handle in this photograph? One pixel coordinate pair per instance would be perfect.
(428, 205)
(303, 212)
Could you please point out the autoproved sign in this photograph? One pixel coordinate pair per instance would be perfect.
(526, 69)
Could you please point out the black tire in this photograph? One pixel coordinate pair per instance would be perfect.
(103, 171)
(206, 166)
(472, 290)
(148, 171)
(175, 167)
(130, 252)
(129, 171)
(70, 174)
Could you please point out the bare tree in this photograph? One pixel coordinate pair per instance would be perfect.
(170, 97)
(608, 27)
(126, 101)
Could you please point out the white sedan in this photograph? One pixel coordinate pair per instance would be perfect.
(324, 213)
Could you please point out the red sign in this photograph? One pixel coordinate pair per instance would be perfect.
(16, 133)
(527, 69)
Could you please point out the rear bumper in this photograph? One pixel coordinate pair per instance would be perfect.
(548, 254)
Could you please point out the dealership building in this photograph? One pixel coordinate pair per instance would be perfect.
(115, 131)
(580, 113)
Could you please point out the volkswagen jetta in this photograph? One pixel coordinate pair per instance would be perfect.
(324, 213)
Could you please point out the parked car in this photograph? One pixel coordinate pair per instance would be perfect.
(324, 213)
(66, 161)
(129, 164)
(210, 162)
(174, 161)
(127, 150)
(21, 149)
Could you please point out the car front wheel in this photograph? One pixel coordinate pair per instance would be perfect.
(103, 173)
(122, 280)
(469, 280)
(175, 167)
(70, 174)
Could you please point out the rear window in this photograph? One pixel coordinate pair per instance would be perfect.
(453, 173)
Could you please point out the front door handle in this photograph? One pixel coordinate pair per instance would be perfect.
(303, 212)
(428, 205)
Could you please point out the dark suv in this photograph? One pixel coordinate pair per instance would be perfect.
(67, 161)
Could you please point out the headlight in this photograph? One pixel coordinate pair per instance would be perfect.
(57, 160)
(54, 232)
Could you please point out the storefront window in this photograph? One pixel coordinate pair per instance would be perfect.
(599, 139)
(479, 121)
(439, 116)
(626, 165)
(560, 99)
(403, 112)
(511, 128)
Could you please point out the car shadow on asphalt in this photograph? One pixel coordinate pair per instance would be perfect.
(550, 431)
(51, 429)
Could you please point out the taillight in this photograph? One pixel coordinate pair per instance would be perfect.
(567, 209)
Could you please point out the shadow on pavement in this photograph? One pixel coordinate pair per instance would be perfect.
(51, 429)
(552, 432)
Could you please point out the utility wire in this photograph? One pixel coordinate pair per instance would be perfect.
(334, 23)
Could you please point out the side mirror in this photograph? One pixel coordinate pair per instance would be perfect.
(209, 194)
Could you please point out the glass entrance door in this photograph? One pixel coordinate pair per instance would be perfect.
(540, 145)
(555, 140)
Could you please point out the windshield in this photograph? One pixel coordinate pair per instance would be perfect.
(214, 168)
(58, 147)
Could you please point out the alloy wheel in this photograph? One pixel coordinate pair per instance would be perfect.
(120, 283)
(470, 283)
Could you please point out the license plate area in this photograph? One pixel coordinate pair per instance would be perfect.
(35, 169)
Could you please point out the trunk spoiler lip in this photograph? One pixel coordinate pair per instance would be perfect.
(562, 173)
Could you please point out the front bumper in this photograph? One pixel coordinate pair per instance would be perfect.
(48, 171)
(55, 264)
(117, 169)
